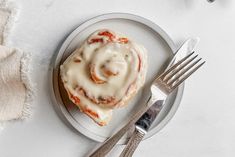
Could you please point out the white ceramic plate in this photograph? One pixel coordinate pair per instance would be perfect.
(160, 47)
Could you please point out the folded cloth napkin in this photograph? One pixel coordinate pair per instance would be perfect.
(15, 86)
(5, 14)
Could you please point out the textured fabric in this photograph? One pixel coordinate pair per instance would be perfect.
(4, 16)
(15, 87)
(12, 91)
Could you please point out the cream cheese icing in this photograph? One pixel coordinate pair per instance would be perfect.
(104, 73)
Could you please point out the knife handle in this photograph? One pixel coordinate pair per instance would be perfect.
(132, 144)
(108, 145)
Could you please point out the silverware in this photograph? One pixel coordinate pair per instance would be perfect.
(187, 47)
(163, 86)
(149, 116)
(141, 128)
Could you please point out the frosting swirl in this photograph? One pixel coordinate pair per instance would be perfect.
(104, 72)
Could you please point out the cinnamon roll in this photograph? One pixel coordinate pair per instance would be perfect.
(104, 73)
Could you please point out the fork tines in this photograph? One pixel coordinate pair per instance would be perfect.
(180, 71)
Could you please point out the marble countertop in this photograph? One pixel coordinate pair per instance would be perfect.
(204, 123)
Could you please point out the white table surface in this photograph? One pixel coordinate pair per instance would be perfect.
(204, 124)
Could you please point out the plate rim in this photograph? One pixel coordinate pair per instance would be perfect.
(64, 46)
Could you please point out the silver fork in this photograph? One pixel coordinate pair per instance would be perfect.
(161, 87)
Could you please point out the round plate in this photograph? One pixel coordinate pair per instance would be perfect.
(160, 47)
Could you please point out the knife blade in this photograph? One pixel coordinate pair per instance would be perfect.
(187, 47)
(145, 121)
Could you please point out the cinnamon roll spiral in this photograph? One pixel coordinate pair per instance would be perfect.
(104, 73)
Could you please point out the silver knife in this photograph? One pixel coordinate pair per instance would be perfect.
(144, 123)
(107, 146)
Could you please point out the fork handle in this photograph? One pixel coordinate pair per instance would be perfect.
(110, 143)
(132, 144)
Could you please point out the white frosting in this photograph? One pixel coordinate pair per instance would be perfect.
(107, 70)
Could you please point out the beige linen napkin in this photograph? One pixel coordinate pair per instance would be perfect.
(4, 16)
(15, 86)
